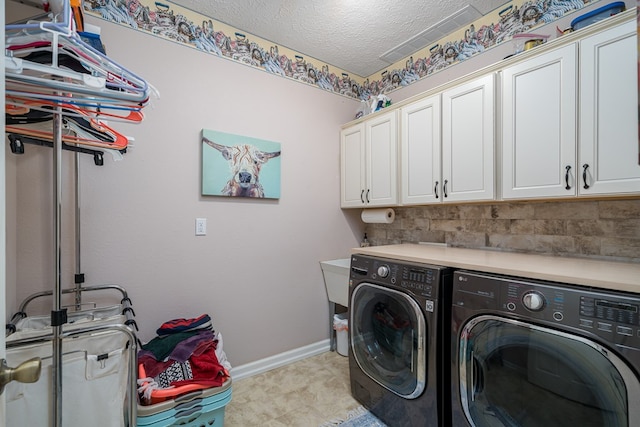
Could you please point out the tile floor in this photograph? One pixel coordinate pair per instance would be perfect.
(303, 394)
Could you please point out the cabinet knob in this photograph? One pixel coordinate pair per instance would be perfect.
(566, 178)
(584, 176)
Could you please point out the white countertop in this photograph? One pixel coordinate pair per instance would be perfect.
(624, 276)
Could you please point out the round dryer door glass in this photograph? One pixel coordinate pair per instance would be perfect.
(519, 374)
(388, 338)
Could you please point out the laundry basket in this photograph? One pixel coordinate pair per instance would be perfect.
(201, 408)
(95, 377)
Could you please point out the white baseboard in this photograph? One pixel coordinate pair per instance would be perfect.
(277, 360)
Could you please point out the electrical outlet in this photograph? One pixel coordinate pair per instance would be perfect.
(201, 226)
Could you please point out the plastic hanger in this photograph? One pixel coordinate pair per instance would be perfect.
(54, 77)
(75, 130)
(63, 79)
(23, 105)
(128, 86)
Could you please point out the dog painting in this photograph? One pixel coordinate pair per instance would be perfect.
(239, 166)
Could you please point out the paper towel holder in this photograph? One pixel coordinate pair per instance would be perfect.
(378, 216)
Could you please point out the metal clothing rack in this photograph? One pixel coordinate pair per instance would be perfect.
(119, 86)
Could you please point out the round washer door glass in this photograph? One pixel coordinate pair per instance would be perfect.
(388, 338)
(518, 374)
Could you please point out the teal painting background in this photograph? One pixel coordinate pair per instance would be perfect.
(216, 171)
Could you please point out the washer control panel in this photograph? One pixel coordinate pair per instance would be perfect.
(609, 310)
(614, 316)
(420, 279)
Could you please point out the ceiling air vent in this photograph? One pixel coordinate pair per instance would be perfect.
(425, 38)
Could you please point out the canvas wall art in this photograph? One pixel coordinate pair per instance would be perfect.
(239, 166)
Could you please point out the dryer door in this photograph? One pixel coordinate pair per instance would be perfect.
(388, 338)
(514, 373)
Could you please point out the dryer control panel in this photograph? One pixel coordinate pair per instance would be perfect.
(613, 316)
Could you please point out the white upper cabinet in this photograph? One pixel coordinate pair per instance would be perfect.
(539, 126)
(420, 156)
(468, 136)
(352, 172)
(381, 142)
(609, 158)
(369, 162)
(564, 125)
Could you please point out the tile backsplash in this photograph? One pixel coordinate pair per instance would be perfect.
(604, 229)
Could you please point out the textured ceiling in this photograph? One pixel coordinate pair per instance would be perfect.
(348, 34)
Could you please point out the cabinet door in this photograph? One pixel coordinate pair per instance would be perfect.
(539, 126)
(420, 152)
(468, 141)
(381, 145)
(352, 159)
(608, 149)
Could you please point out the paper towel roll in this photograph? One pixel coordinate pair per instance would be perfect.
(378, 216)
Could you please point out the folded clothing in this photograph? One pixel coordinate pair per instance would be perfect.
(203, 368)
(187, 356)
(181, 325)
(178, 346)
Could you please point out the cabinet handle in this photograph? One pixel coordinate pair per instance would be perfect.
(362, 196)
(584, 176)
(444, 188)
(566, 177)
(435, 189)
(368, 195)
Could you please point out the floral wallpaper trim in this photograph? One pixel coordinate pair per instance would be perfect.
(515, 17)
(185, 26)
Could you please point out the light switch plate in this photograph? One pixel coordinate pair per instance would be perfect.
(201, 226)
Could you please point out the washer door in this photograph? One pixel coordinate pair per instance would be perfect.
(387, 331)
(519, 374)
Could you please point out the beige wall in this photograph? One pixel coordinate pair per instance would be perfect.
(607, 229)
(257, 271)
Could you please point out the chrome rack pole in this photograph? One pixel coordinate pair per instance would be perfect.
(79, 277)
(57, 319)
(58, 316)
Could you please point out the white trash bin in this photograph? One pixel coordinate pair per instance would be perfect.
(341, 326)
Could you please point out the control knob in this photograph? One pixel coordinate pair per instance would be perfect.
(534, 301)
(383, 271)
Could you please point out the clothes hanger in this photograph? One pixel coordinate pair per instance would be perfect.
(68, 137)
(92, 106)
(129, 86)
(17, 105)
(36, 56)
(76, 56)
(30, 72)
(56, 79)
(75, 130)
